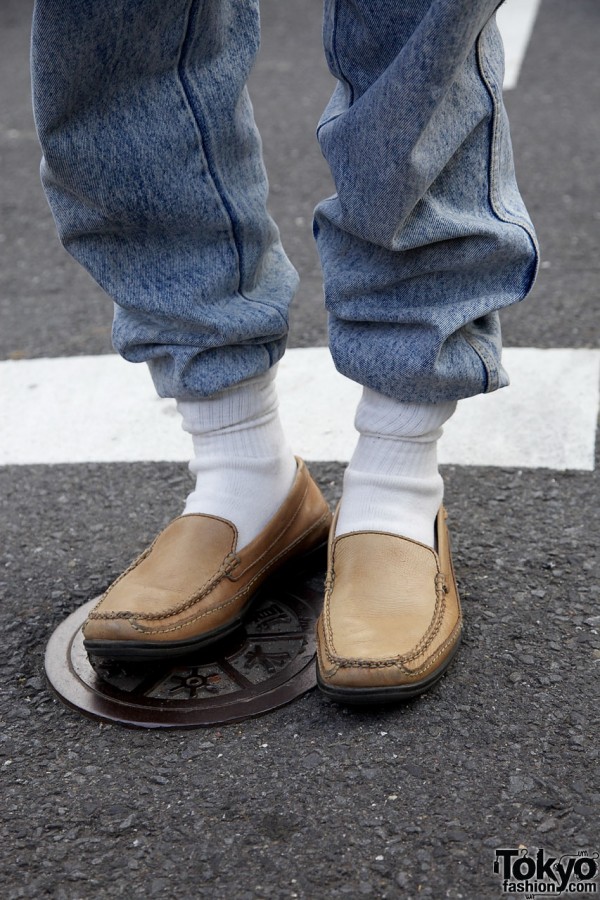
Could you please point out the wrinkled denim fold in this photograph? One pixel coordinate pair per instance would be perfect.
(152, 166)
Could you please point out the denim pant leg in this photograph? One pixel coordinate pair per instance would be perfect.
(153, 170)
(427, 235)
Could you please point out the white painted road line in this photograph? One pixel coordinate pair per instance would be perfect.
(101, 409)
(516, 19)
(546, 419)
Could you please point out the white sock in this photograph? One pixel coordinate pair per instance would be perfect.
(392, 483)
(243, 464)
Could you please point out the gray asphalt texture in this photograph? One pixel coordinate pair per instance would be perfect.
(313, 800)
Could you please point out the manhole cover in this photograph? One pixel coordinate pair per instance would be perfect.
(266, 663)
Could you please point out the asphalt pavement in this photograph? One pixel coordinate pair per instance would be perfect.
(313, 800)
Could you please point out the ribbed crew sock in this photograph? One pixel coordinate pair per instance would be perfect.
(243, 464)
(392, 482)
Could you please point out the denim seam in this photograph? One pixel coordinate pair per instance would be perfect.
(499, 210)
(193, 8)
(322, 125)
(339, 71)
(489, 363)
(495, 197)
(204, 142)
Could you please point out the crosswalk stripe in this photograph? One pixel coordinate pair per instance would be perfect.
(516, 19)
(101, 409)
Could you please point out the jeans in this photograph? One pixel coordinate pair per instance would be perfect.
(153, 169)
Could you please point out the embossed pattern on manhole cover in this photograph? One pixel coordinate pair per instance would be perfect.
(266, 663)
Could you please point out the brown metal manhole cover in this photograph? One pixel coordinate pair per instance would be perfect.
(266, 663)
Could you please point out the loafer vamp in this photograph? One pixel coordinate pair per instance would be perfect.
(179, 578)
(383, 598)
(391, 615)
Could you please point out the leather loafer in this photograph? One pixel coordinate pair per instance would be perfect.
(192, 586)
(391, 621)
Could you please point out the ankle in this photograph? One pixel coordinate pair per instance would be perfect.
(392, 483)
(243, 465)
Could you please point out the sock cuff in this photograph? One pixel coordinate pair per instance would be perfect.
(379, 415)
(240, 406)
(395, 456)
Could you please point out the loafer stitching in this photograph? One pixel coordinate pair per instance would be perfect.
(130, 568)
(228, 564)
(436, 623)
(333, 666)
(233, 599)
(390, 663)
(432, 659)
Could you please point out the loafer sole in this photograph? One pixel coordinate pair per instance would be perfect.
(137, 651)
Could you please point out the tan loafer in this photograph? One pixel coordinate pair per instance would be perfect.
(192, 586)
(391, 622)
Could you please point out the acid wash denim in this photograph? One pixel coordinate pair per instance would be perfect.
(153, 169)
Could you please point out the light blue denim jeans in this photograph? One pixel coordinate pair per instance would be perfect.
(153, 169)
